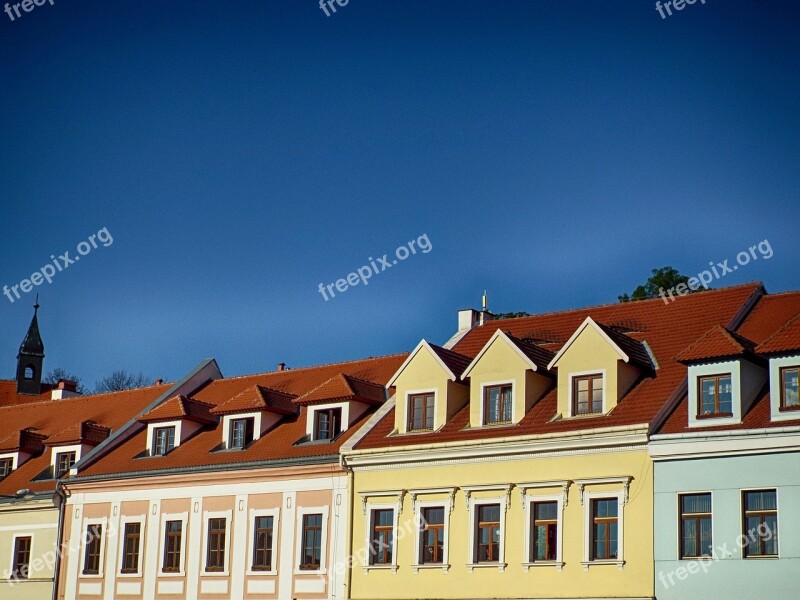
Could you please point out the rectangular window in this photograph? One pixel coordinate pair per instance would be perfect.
(6, 466)
(604, 529)
(163, 440)
(487, 533)
(544, 531)
(431, 540)
(761, 523)
(91, 557)
(312, 542)
(172, 546)
(497, 404)
(381, 537)
(587, 395)
(695, 525)
(716, 396)
(130, 548)
(262, 544)
(790, 394)
(64, 462)
(327, 423)
(215, 550)
(420, 412)
(22, 558)
(241, 432)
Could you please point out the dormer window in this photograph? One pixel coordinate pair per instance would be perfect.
(790, 397)
(327, 423)
(587, 394)
(64, 462)
(497, 404)
(163, 440)
(241, 433)
(421, 410)
(6, 466)
(716, 396)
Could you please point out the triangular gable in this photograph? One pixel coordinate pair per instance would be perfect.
(523, 350)
(717, 342)
(786, 339)
(452, 363)
(589, 322)
(342, 387)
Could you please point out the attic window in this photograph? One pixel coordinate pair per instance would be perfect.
(163, 440)
(6, 466)
(790, 398)
(327, 423)
(716, 396)
(587, 394)
(497, 404)
(64, 462)
(241, 432)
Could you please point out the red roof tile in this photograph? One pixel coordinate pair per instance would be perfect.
(716, 343)
(9, 396)
(257, 398)
(539, 356)
(341, 388)
(23, 441)
(786, 339)
(180, 407)
(88, 432)
(456, 362)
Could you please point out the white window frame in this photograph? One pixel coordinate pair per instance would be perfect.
(227, 420)
(474, 503)
(395, 508)
(56, 450)
(323, 555)
(184, 518)
(487, 384)
(571, 386)
(718, 368)
(12, 557)
(312, 411)
(588, 497)
(775, 366)
(14, 456)
(151, 429)
(409, 393)
(228, 516)
(678, 533)
(741, 519)
(254, 513)
(124, 520)
(447, 506)
(529, 500)
(86, 523)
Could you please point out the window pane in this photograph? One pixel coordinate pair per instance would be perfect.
(791, 391)
(725, 395)
(761, 500)
(545, 510)
(489, 512)
(696, 503)
(707, 387)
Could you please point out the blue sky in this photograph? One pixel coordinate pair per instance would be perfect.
(241, 153)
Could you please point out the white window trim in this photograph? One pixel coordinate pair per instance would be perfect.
(718, 368)
(311, 412)
(14, 456)
(484, 385)
(228, 419)
(620, 495)
(529, 500)
(86, 523)
(275, 513)
(447, 505)
(678, 533)
(228, 516)
(184, 519)
(395, 508)
(741, 518)
(571, 386)
(124, 520)
(151, 428)
(56, 450)
(12, 557)
(474, 503)
(775, 366)
(323, 555)
(409, 393)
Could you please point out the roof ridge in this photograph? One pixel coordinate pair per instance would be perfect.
(333, 364)
(780, 330)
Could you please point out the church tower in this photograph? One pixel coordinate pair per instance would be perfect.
(31, 358)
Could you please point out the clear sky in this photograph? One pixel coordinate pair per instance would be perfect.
(240, 153)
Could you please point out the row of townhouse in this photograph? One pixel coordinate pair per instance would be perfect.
(635, 450)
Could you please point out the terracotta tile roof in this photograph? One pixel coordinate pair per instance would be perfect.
(279, 443)
(180, 408)
(667, 329)
(257, 398)
(633, 348)
(716, 343)
(770, 314)
(786, 339)
(9, 396)
(342, 388)
(47, 418)
(455, 361)
(539, 356)
(23, 441)
(88, 432)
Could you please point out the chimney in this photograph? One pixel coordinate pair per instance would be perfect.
(68, 385)
(65, 388)
(469, 318)
(281, 367)
(158, 381)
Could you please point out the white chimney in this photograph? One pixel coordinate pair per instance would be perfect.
(64, 389)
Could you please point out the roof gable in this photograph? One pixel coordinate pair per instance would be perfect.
(257, 398)
(180, 408)
(628, 349)
(535, 357)
(451, 362)
(342, 387)
(716, 343)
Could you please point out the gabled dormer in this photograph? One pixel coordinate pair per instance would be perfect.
(252, 412)
(16, 449)
(596, 367)
(173, 421)
(336, 404)
(429, 388)
(783, 351)
(507, 377)
(70, 445)
(725, 376)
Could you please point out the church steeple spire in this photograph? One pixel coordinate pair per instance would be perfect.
(31, 358)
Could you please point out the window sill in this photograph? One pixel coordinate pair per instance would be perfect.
(91, 575)
(596, 563)
(368, 568)
(130, 575)
(764, 557)
(789, 409)
(715, 416)
(214, 574)
(487, 565)
(172, 574)
(256, 573)
(431, 566)
(321, 571)
(543, 563)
